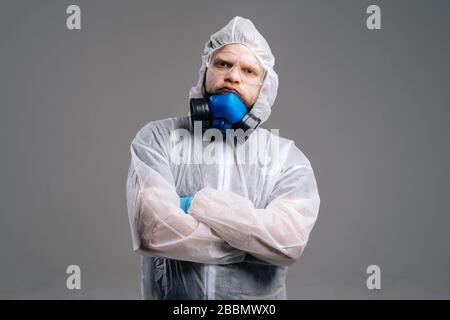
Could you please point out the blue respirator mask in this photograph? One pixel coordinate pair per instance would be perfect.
(222, 111)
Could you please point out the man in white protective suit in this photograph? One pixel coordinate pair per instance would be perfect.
(219, 207)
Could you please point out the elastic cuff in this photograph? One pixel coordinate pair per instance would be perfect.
(199, 204)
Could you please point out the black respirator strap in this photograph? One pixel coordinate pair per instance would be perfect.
(249, 121)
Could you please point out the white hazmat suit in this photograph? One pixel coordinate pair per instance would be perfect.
(247, 221)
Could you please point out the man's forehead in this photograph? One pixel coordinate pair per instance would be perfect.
(240, 50)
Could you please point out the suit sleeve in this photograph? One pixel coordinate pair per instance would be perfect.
(277, 234)
(159, 226)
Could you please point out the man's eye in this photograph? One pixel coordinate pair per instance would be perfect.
(222, 64)
(250, 72)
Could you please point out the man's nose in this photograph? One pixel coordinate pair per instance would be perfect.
(233, 75)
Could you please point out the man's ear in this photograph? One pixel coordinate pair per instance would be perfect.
(204, 93)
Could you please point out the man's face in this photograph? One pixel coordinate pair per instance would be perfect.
(238, 78)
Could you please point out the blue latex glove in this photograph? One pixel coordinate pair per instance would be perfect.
(185, 202)
(226, 110)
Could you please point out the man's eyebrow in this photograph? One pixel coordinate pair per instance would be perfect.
(245, 61)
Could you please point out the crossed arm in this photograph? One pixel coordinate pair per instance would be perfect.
(221, 226)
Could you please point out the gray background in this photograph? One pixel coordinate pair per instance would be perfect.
(370, 109)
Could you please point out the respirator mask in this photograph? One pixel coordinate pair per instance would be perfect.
(222, 111)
